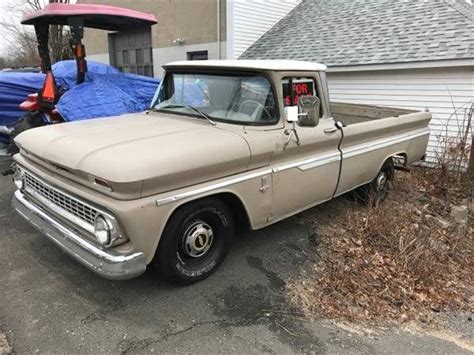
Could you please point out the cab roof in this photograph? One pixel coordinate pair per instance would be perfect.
(276, 65)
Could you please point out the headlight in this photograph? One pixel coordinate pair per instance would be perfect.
(102, 230)
(19, 178)
(107, 232)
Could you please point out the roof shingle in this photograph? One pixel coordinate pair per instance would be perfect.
(361, 32)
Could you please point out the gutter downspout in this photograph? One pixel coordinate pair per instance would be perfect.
(218, 10)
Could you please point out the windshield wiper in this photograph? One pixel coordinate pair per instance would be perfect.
(202, 114)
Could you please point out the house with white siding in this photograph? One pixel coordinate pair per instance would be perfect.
(411, 54)
(248, 20)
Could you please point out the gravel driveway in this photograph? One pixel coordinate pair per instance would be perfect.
(49, 303)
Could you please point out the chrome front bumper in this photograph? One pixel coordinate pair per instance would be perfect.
(105, 263)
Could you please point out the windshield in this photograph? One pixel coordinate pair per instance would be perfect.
(243, 99)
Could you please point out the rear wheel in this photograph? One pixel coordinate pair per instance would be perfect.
(377, 191)
(195, 241)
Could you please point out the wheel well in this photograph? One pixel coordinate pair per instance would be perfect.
(241, 217)
(239, 213)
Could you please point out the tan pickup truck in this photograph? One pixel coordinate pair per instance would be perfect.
(225, 145)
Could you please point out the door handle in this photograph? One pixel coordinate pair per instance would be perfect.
(330, 130)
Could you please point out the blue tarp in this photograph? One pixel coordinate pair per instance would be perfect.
(65, 72)
(105, 92)
(14, 89)
(107, 95)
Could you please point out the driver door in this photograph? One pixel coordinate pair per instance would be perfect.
(305, 165)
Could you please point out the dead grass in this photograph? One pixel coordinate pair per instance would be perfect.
(396, 263)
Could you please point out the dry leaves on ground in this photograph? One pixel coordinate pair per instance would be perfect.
(398, 262)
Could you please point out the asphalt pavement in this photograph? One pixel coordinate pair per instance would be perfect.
(51, 304)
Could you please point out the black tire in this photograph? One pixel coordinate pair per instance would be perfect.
(378, 189)
(28, 121)
(195, 241)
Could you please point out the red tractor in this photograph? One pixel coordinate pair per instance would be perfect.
(41, 105)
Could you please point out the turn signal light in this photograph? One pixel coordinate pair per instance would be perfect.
(49, 88)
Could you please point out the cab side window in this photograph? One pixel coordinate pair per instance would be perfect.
(295, 87)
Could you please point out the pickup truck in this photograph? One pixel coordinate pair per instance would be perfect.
(225, 145)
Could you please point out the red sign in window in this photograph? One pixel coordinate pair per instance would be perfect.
(299, 88)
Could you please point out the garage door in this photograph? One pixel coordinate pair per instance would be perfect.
(130, 51)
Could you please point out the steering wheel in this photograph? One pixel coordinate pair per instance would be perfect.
(256, 111)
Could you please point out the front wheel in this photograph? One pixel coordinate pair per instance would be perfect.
(195, 241)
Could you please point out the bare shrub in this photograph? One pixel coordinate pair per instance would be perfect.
(398, 262)
(454, 158)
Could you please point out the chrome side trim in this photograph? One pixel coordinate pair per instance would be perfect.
(105, 263)
(303, 165)
(202, 190)
(309, 163)
(320, 162)
(382, 143)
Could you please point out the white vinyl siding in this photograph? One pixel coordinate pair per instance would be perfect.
(248, 20)
(441, 90)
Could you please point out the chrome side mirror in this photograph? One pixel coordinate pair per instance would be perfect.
(308, 111)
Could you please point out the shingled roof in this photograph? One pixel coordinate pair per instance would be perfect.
(363, 32)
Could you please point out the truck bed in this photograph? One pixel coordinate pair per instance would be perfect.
(355, 113)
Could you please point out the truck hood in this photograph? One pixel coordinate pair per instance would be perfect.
(167, 151)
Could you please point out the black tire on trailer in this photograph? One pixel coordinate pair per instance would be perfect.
(378, 189)
(195, 241)
(30, 120)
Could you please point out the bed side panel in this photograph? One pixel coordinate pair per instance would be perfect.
(367, 145)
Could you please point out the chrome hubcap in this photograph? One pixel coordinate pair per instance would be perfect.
(381, 181)
(198, 239)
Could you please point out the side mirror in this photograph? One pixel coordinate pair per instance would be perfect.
(308, 111)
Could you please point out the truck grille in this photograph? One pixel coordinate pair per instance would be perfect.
(66, 202)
